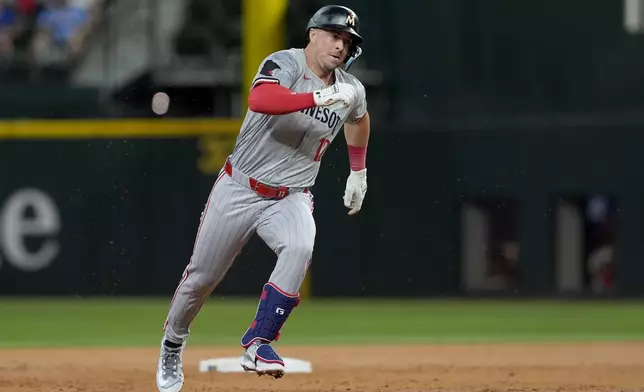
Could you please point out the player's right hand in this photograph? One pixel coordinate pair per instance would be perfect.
(339, 92)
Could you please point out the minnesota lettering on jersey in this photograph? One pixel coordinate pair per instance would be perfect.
(323, 115)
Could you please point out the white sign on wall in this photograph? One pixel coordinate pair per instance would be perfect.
(29, 213)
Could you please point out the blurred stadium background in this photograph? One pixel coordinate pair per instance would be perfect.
(505, 197)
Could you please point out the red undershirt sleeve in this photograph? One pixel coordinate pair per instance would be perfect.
(271, 98)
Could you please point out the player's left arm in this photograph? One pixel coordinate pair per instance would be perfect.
(357, 130)
(357, 134)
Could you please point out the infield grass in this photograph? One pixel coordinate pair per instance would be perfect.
(138, 322)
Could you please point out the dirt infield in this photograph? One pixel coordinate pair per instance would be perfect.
(570, 367)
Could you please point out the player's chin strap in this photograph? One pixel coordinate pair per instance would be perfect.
(353, 58)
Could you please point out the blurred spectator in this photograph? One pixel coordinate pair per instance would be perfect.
(27, 7)
(60, 30)
(504, 245)
(8, 28)
(600, 234)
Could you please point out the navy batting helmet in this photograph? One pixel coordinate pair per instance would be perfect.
(338, 18)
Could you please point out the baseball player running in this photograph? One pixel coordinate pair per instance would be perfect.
(299, 101)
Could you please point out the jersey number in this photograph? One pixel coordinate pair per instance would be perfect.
(324, 145)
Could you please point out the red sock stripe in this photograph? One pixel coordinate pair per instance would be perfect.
(284, 293)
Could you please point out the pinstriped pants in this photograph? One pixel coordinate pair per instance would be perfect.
(232, 214)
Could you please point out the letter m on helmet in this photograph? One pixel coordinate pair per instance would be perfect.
(351, 19)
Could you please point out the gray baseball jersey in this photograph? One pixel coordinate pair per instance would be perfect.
(280, 150)
(286, 150)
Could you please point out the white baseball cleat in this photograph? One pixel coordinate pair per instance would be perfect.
(263, 360)
(170, 369)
